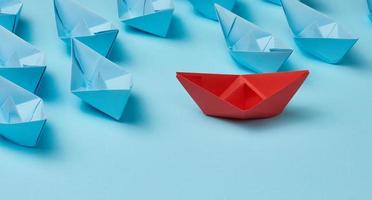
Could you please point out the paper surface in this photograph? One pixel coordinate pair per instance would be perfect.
(75, 21)
(98, 81)
(316, 33)
(369, 4)
(21, 114)
(20, 62)
(251, 46)
(206, 7)
(151, 16)
(277, 2)
(9, 13)
(250, 96)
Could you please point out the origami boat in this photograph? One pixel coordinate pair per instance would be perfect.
(369, 2)
(251, 96)
(9, 13)
(20, 62)
(75, 21)
(206, 7)
(151, 16)
(316, 33)
(98, 81)
(251, 46)
(21, 114)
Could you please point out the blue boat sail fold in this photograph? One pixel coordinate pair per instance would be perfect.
(251, 46)
(21, 114)
(98, 81)
(316, 33)
(151, 16)
(10, 11)
(20, 62)
(75, 21)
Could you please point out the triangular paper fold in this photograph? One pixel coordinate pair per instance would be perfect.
(75, 21)
(317, 33)
(20, 62)
(9, 14)
(251, 46)
(21, 114)
(151, 16)
(98, 81)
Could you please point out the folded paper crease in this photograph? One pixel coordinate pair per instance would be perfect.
(75, 21)
(98, 81)
(21, 114)
(251, 46)
(151, 16)
(20, 62)
(316, 33)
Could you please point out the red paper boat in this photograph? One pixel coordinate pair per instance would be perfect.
(249, 96)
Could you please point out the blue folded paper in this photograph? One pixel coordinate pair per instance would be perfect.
(206, 7)
(151, 16)
(316, 33)
(98, 81)
(21, 114)
(251, 46)
(9, 13)
(20, 62)
(369, 3)
(75, 21)
(277, 2)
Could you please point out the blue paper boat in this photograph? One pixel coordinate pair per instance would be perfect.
(75, 21)
(21, 114)
(249, 45)
(9, 13)
(20, 62)
(206, 7)
(316, 33)
(147, 15)
(369, 2)
(98, 81)
(277, 2)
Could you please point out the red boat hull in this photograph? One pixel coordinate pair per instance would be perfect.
(251, 96)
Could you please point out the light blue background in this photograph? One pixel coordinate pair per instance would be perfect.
(166, 149)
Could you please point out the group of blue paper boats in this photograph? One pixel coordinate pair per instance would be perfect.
(97, 80)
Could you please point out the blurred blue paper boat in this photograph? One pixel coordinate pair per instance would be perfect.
(20, 62)
(369, 2)
(21, 114)
(277, 2)
(206, 7)
(9, 13)
(249, 45)
(316, 33)
(151, 16)
(75, 21)
(98, 81)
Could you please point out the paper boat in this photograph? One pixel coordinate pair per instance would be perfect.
(369, 2)
(316, 33)
(251, 46)
(250, 96)
(98, 81)
(21, 114)
(277, 2)
(206, 7)
(9, 13)
(75, 21)
(151, 16)
(20, 62)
